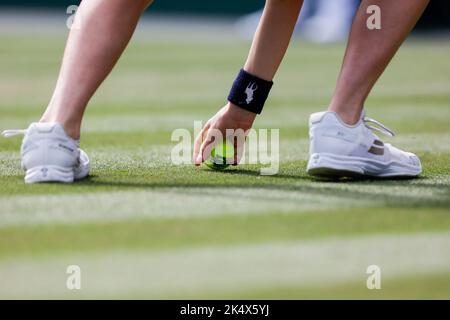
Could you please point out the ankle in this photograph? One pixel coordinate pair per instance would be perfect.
(71, 129)
(350, 116)
(73, 132)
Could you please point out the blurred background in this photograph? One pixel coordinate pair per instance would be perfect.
(436, 16)
(329, 19)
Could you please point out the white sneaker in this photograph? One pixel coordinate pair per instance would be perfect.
(341, 150)
(49, 154)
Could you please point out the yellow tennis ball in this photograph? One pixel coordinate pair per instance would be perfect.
(219, 156)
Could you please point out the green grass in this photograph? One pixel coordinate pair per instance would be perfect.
(137, 202)
(422, 287)
(162, 234)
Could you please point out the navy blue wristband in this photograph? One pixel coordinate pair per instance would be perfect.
(249, 92)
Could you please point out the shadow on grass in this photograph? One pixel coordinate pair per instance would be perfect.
(302, 177)
(381, 191)
(307, 186)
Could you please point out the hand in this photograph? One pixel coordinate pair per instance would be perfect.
(229, 117)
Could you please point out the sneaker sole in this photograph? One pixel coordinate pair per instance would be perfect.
(333, 166)
(49, 174)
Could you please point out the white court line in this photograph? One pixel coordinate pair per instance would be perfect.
(228, 269)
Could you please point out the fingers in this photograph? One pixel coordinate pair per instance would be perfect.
(237, 138)
(238, 150)
(209, 137)
(221, 126)
(235, 156)
(198, 142)
(211, 140)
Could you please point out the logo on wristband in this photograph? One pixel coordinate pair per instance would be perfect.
(251, 88)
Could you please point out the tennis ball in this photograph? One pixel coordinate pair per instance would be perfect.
(219, 156)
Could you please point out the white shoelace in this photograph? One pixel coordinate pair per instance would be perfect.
(16, 132)
(13, 132)
(381, 127)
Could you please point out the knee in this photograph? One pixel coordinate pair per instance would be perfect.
(135, 5)
(144, 4)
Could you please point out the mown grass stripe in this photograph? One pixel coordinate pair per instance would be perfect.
(422, 287)
(321, 263)
(222, 230)
(160, 203)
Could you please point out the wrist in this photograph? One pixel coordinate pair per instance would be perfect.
(240, 115)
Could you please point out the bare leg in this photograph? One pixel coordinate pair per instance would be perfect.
(370, 51)
(91, 52)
